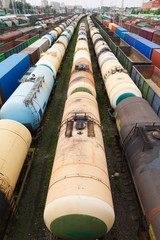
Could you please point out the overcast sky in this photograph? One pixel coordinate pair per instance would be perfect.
(94, 3)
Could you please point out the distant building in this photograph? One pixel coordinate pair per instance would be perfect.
(5, 3)
(62, 5)
(70, 8)
(55, 5)
(44, 3)
(151, 4)
(78, 9)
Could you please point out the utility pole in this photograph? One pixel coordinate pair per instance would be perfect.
(122, 4)
(13, 6)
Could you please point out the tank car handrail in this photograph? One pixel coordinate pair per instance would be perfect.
(74, 118)
(139, 129)
(32, 94)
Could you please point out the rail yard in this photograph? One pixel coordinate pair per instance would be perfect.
(95, 139)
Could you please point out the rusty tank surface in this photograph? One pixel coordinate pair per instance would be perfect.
(139, 130)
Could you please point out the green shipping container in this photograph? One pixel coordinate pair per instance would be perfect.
(29, 38)
(2, 57)
(12, 47)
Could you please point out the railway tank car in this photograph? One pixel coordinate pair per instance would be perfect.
(27, 104)
(117, 82)
(15, 140)
(56, 32)
(139, 130)
(79, 201)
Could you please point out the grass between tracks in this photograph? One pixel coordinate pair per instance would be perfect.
(29, 224)
(100, 94)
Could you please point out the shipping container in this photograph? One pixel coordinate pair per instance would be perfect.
(127, 25)
(110, 26)
(27, 30)
(142, 24)
(2, 57)
(12, 47)
(11, 70)
(129, 56)
(146, 47)
(29, 38)
(156, 58)
(156, 37)
(106, 23)
(114, 27)
(130, 38)
(135, 29)
(120, 32)
(147, 80)
(33, 54)
(7, 37)
(147, 33)
(42, 44)
(114, 43)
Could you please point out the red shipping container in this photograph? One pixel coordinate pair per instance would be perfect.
(147, 33)
(127, 26)
(8, 37)
(135, 29)
(156, 58)
(114, 26)
(33, 54)
(106, 23)
(156, 37)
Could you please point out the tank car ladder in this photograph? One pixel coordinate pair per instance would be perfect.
(38, 81)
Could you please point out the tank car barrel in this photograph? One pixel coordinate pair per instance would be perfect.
(15, 140)
(138, 126)
(79, 201)
(117, 82)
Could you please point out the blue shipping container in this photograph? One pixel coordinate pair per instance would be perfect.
(146, 47)
(11, 70)
(123, 35)
(121, 31)
(131, 38)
